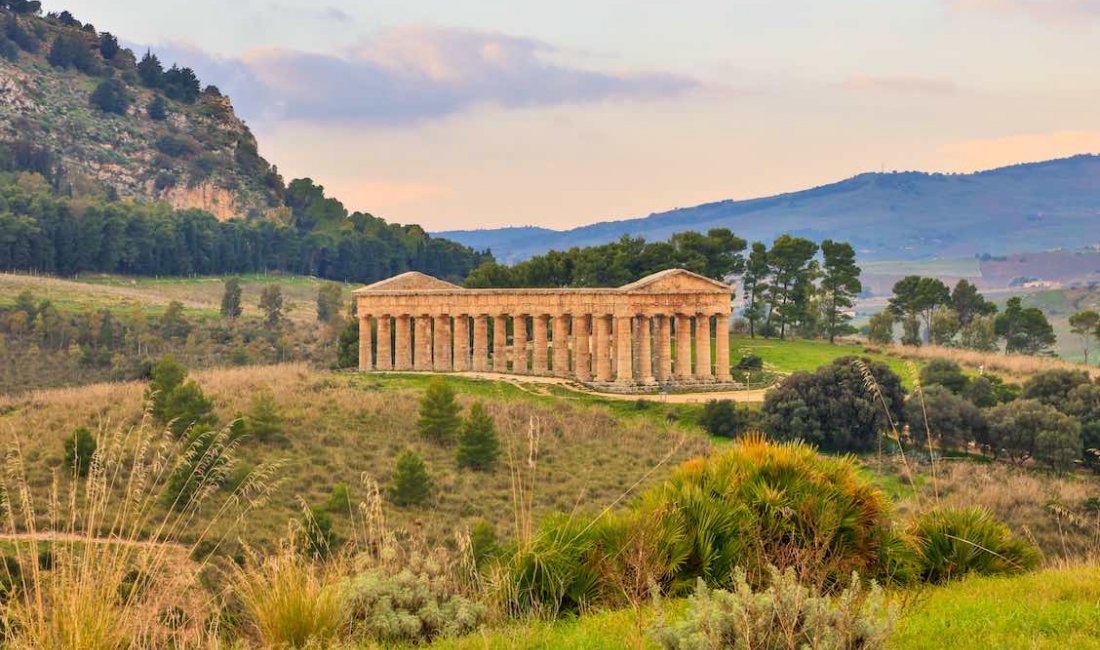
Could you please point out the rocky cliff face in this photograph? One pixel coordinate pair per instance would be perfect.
(199, 155)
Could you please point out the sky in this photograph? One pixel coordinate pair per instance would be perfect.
(462, 114)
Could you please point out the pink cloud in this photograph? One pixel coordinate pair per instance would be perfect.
(979, 154)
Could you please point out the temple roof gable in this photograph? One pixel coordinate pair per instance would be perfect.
(673, 280)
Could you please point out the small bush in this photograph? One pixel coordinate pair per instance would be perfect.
(944, 372)
(750, 362)
(412, 604)
(758, 504)
(951, 543)
(725, 418)
(784, 616)
(410, 485)
(80, 448)
(110, 96)
(176, 146)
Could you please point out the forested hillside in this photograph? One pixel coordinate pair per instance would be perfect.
(44, 232)
(116, 163)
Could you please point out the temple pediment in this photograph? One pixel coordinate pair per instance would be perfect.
(675, 280)
(409, 281)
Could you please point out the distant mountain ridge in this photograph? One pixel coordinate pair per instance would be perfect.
(887, 216)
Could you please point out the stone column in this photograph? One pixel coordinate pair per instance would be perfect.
(561, 345)
(384, 360)
(664, 348)
(481, 343)
(403, 343)
(519, 344)
(422, 357)
(624, 350)
(365, 351)
(722, 347)
(645, 351)
(602, 347)
(500, 343)
(702, 347)
(539, 344)
(582, 355)
(441, 356)
(683, 347)
(462, 343)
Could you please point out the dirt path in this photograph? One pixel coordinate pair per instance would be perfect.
(519, 381)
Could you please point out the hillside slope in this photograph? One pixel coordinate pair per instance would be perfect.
(905, 215)
(196, 154)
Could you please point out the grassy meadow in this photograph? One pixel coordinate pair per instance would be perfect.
(348, 427)
(1053, 608)
(200, 296)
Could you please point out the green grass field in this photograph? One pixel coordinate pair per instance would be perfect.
(1053, 608)
(787, 356)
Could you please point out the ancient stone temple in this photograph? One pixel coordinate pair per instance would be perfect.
(667, 328)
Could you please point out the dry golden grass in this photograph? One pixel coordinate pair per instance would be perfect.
(196, 294)
(1051, 510)
(340, 428)
(1014, 366)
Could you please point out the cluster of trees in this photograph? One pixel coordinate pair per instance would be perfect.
(930, 312)
(1053, 419)
(716, 254)
(786, 287)
(46, 233)
(477, 446)
(44, 344)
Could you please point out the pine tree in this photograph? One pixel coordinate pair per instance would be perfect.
(478, 446)
(411, 485)
(839, 286)
(271, 302)
(439, 412)
(80, 447)
(231, 299)
(329, 298)
(265, 423)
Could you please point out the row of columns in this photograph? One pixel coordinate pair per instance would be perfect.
(602, 348)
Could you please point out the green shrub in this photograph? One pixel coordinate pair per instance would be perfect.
(176, 146)
(410, 485)
(835, 407)
(944, 372)
(204, 466)
(110, 96)
(784, 616)
(758, 504)
(557, 570)
(174, 402)
(412, 604)
(725, 418)
(80, 448)
(750, 362)
(478, 446)
(951, 543)
(439, 418)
